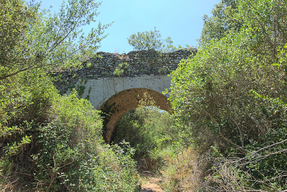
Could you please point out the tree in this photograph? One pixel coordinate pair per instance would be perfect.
(222, 21)
(266, 21)
(33, 41)
(32, 38)
(149, 40)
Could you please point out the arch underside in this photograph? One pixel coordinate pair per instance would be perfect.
(126, 100)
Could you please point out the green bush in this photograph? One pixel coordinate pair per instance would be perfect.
(80, 89)
(231, 101)
(49, 142)
(61, 147)
(121, 69)
(151, 132)
(89, 65)
(145, 128)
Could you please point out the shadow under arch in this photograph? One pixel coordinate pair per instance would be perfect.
(124, 101)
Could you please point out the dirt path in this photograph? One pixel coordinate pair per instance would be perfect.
(150, 182)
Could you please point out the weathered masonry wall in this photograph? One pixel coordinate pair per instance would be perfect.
(139, 63)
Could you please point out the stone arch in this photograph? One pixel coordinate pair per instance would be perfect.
(126, 100)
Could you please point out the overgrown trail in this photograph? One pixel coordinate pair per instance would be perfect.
(150, 182)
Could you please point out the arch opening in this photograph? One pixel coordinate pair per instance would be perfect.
(120, 103)
(145, 129)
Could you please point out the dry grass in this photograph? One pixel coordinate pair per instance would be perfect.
(11, 183)
(183, 172)
(9, 186)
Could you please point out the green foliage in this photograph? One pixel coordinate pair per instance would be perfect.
(33, 38)
(89, 65)
(216, 85)
(114, 171)
(90, 88)
(146, 128)
(81, 145)
(232, 97)
(50, 142)
(267, 29)
(15, 148)
(26, 96)
(221, 23)
(121, 69)
(80, 89)
(67, 152)
(150, 40)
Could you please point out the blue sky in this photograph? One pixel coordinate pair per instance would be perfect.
(179, 19)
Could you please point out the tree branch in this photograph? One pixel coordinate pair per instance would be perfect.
(16, 72)
(254, 120)
(240, 132)
(219, 131)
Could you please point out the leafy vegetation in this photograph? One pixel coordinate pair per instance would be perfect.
(221, 23)
(121, 69)
(146, 128)
(231, 97)
(50, 142)
(228, 131)
(150, 40)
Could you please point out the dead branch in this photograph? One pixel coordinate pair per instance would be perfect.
(219, 131)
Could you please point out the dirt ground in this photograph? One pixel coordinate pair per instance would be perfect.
(150, 182)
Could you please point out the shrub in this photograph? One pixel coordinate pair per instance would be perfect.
(89, 65)
(80, 89)
(230, 99)
(121, 69)
(61, 148)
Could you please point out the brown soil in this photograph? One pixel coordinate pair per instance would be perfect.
(150, 182)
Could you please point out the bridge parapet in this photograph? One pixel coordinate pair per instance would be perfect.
(138, 63)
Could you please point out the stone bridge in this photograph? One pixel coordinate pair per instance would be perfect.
(117, 95)
(115, 83)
